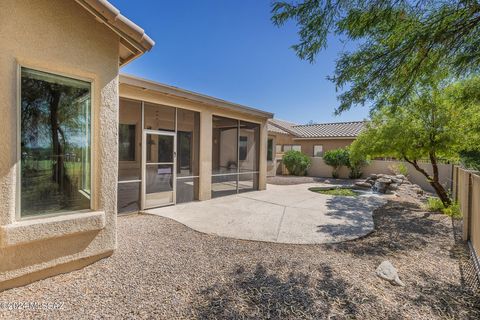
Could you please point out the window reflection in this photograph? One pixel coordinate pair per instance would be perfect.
(55, 143)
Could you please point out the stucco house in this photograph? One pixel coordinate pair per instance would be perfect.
(82, 142)
(311, 139)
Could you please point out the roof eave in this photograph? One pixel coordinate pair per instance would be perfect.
(145, 84)
(133, 38)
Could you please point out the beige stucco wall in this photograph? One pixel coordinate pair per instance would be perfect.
(206, 114)
(328, 144)
(59, 37)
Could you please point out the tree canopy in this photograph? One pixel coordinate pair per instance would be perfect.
(439, 122)
(402, 44)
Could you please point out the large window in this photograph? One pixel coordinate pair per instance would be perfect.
(235, 146)
(55, 143)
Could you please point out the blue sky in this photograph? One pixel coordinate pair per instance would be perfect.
(231, 50)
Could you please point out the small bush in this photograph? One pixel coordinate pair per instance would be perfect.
(296, 162)
(434, 204)
(336, 159)
(453, 211)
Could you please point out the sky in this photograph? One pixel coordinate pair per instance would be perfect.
(230, 50)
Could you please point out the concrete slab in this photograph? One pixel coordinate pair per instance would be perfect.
(284, 214)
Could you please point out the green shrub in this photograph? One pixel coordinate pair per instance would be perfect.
(296, 162)
(336, 159)
(453, 211)
(434, 204)
(336, 192)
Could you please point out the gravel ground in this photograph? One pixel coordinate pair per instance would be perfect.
(164, 270)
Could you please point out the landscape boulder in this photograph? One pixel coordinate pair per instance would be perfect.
(387, 271)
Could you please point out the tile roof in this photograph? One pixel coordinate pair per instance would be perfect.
(320, 130)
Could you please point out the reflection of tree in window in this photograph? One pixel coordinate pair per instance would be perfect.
(242, 148)
(126, 146)
(55, 143)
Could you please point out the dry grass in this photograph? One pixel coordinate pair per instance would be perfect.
(165, 270)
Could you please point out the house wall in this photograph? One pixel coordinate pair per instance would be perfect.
(276, 167)
(59, 37)
(328, 144)
(206, 113)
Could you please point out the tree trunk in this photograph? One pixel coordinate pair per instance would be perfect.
(434, 181)
(57, 150)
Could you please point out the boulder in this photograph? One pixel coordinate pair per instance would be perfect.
(363, 184)
(401, 177)
(387, 271)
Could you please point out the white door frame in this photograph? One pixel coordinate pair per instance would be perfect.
(144, 165)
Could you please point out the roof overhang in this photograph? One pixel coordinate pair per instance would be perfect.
(133, 40)
(326, 138)
(157, 87)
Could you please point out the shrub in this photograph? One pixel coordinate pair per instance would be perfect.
(336, 159)
(296, 162)
(355, 164)
(453, 211)
(434, 204)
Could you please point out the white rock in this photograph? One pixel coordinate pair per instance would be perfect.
(387, 271)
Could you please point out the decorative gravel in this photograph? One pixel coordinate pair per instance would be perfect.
(164, 270)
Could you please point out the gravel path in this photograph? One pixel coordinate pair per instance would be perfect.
(164, 270)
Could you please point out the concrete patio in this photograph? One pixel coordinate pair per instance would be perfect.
(283, 214)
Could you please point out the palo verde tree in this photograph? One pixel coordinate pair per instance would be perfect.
(439, 123)
(402, 44)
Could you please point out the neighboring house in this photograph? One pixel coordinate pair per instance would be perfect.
(80, 142)
(311, 139)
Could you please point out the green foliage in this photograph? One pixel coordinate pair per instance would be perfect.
(355, 163)
(470, 160)
(433, 125)
(453, 211)
(336, 159)
(402, 44)
(434, 204)
(296, 162)
(336, 192)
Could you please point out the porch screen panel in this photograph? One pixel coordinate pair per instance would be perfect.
(188, 148)
(129, 156)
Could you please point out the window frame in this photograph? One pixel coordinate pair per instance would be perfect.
(93, 117)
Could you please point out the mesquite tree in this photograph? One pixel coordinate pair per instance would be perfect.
(438, 123)
(399, 44)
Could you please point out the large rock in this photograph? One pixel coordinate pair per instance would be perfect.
(387, 271)
(363, 185)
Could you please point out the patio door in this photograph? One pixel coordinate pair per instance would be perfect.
(159, 153)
